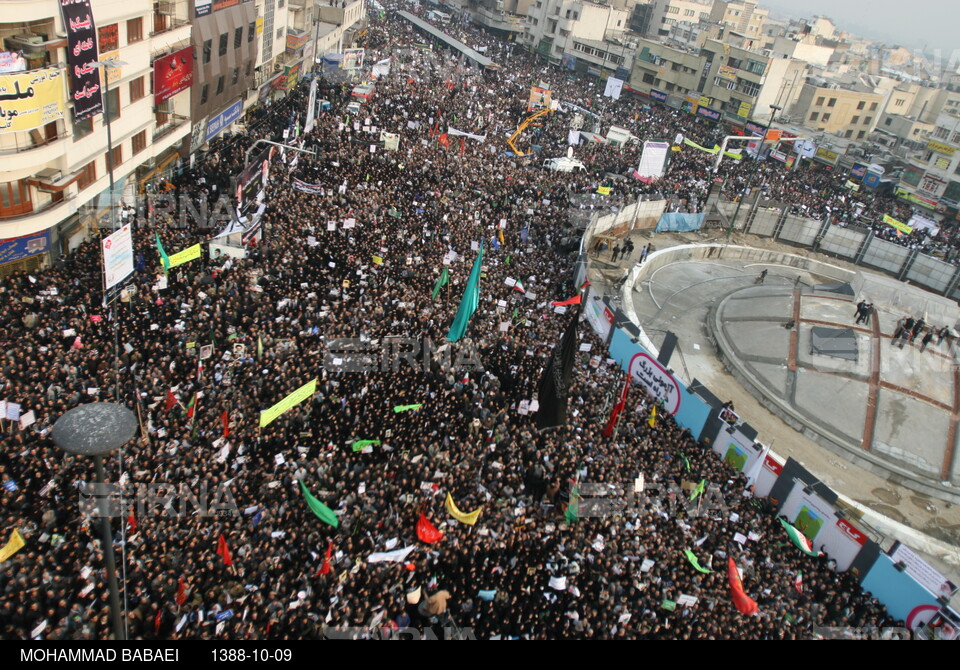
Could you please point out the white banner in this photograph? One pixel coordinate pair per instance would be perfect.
(453, 132)
(117, 257)
(652, 160)
(311, 107)
(396, 556)
(613, 88)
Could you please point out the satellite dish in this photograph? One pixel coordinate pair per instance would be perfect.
(569, 152)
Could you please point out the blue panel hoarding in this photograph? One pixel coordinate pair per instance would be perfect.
(224, 119)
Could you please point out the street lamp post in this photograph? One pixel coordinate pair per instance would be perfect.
(103, 65)
(93, 430)
(766, 131)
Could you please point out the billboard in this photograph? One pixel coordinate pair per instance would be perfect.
(352, 59)
(82, 57)
(202, 7)
(117, 257)
(826, 156)
(172, 74)
(727, 72)
(708, 113)
(31, 99)
(658, 95)
(539, 97)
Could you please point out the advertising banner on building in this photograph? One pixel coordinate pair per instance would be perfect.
(172, 74)
(203, 7)
(18, 248)
(117, 257)
(30, 99)
(708, 113)
(824, 155)
(658, 95)
(224, 119)
(82, 57)
(727, 72)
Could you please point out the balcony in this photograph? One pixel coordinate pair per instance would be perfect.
(37, 150)
(46, 215)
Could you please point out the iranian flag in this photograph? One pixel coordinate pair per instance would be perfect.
(519, 287)
(799, 539)
(798, 582)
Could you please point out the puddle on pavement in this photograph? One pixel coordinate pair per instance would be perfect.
(887, 496)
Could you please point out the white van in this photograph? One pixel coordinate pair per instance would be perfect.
(440, 16)
(564, 165)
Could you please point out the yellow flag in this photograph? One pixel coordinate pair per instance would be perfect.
(269, 415)
(189, 254)
(652, 421)
(468, 519)
(500, 234)
(15, 544)
(603, 190)
(377, 260)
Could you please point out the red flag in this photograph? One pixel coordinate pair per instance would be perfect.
(225, 419)
(325, 566)
(157, 620)
(615, 414)
(575, 300)
(223, 551)
(181, 592)
(463, 145)
(426, 531)
(743, 602)
(132, 523)
(171, 401)
(444, 141)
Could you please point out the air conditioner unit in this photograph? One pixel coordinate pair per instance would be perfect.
(27, 38)
(278, 67)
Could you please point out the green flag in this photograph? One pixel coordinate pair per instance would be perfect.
(164, 259)
(469, 301)
(323, 512)
(441, 282)
(573, 506)
(404, 408)
(801, 541)
(696, 563)
(360, 444)
(699, 490)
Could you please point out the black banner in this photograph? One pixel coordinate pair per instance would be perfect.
(555, 382)
(82, 57)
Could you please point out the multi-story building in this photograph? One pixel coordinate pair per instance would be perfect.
(555, 26)
(720, 81)
(742, 15)
(932, 178)
(666, 13)
(225, 43)
(505, 18)
(55, 176)
(852, 113)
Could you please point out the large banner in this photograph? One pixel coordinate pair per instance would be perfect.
(267, 416)
(82, 57)
(613, 88)
(539, 97)
(117, 257)
(172, 74)
(352, 59)
(30, 99)
(17, 248)
(653, 159)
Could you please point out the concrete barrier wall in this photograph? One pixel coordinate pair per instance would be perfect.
(886, 256)
(765, 222)
(931, 272)
(799, 230)
(843, 242)
(641, 214)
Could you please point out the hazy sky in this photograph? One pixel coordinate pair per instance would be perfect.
(912, 23)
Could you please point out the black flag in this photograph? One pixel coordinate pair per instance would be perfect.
(555, 382)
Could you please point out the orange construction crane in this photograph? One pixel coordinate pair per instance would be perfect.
(523, 126)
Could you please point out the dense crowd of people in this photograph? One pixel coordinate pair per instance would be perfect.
(355, 241)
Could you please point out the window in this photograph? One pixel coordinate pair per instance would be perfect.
(848, 134)
(815, 116)
(280, 4)
(820, 101)
(223, 45)
(112, 104)
(867, 121)
(236, 76)
(861, 134)
(873, 107)
(648, 78)
(134, 30)
(88, 175)
(899, 103)
(855, 120)
(82, 129)
(826, 117)
(956, 138)
(117, 157)
(888, 121)
(139, 142)
(238, 37)
(15, 198)
(207, 50)
(941, 133)
(280, 30)
(136, 89)
(832, 102)
(251, 31)
(861, 105)
(249, 68)
(219, 85)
